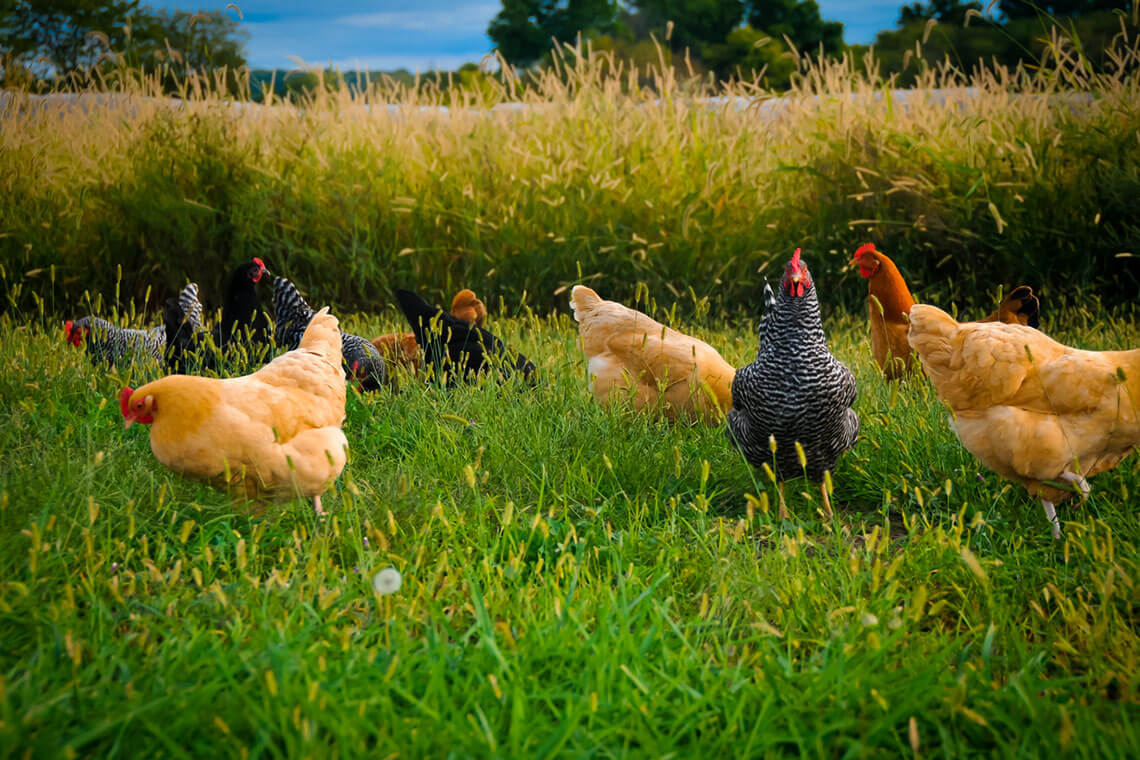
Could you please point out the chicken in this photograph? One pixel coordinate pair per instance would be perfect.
(795, 391)
(401, 349)
(271, 434)
(630, 355)
(243, 320)
(1020, 307)
(467, 306)
(1031, 409)
(291, 313)
(456, 349)
(889, 302)
(242, 334)
(107, 343)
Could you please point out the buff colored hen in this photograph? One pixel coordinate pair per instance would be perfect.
(630, 355)
(273, 434)
(1032, 410)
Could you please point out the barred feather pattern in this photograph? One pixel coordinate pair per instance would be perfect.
(111, 344)
(291, 315)
(795, 391)
(191, 306)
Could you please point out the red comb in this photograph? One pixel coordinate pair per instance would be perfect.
(67, 326)
(259, 262)
(865, 248)
(796, 258)
(125, 399)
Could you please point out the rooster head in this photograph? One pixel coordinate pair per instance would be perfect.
(257, 271)
(136, 409)
(867, 259)
(797, 279)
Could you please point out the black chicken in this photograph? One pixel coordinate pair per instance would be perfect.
(457, 349)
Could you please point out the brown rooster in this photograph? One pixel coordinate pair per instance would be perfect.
(889, 302)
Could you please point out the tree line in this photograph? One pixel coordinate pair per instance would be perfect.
(42, 41)
(750, 39)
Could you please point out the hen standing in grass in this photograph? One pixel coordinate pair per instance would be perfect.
(795, 391)
(1031, 409)
(272, 434)
(631, 356)
(107, 343)
(291, 314)
(242, 333)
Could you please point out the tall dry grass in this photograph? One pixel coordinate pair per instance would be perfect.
(524, 185)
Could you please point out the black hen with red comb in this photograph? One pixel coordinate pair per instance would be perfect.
(291, 315)
(795, 391)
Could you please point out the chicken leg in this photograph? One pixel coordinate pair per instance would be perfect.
(1051, 514)
(317, 504)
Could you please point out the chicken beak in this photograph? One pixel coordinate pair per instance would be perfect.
(127, 422)
(797, 277)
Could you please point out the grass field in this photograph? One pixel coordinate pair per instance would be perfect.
(576, 581)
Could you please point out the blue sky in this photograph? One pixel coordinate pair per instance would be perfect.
(423, 34)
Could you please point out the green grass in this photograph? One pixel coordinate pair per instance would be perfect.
(576, 582)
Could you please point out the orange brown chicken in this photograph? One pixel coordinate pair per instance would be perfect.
(629, 355)
(889, 302)
(1031, 409)
(400, 349)
(273, 434)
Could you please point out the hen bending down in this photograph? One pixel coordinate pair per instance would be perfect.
(456, 349)
(1031, 409)
(107, 343)
(630, 355)
(291, 313)
(401, 349)
(795, 391)
(273, 434)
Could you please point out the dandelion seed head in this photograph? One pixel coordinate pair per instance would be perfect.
(387, 581)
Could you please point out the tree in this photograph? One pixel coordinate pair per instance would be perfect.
(799, 20)
(68, 35)
(945, 11)
(696, 23)
(188, 42)
(1015, 9)
(746, 52)
(525, 30)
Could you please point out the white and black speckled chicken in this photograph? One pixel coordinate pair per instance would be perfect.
(292, 314)
(107, 343)
(795, 390)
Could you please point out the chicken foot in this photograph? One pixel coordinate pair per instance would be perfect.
(317, 504)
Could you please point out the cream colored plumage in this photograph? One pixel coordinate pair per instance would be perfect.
(630, 355)
(1029, 408)
(272, 434)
